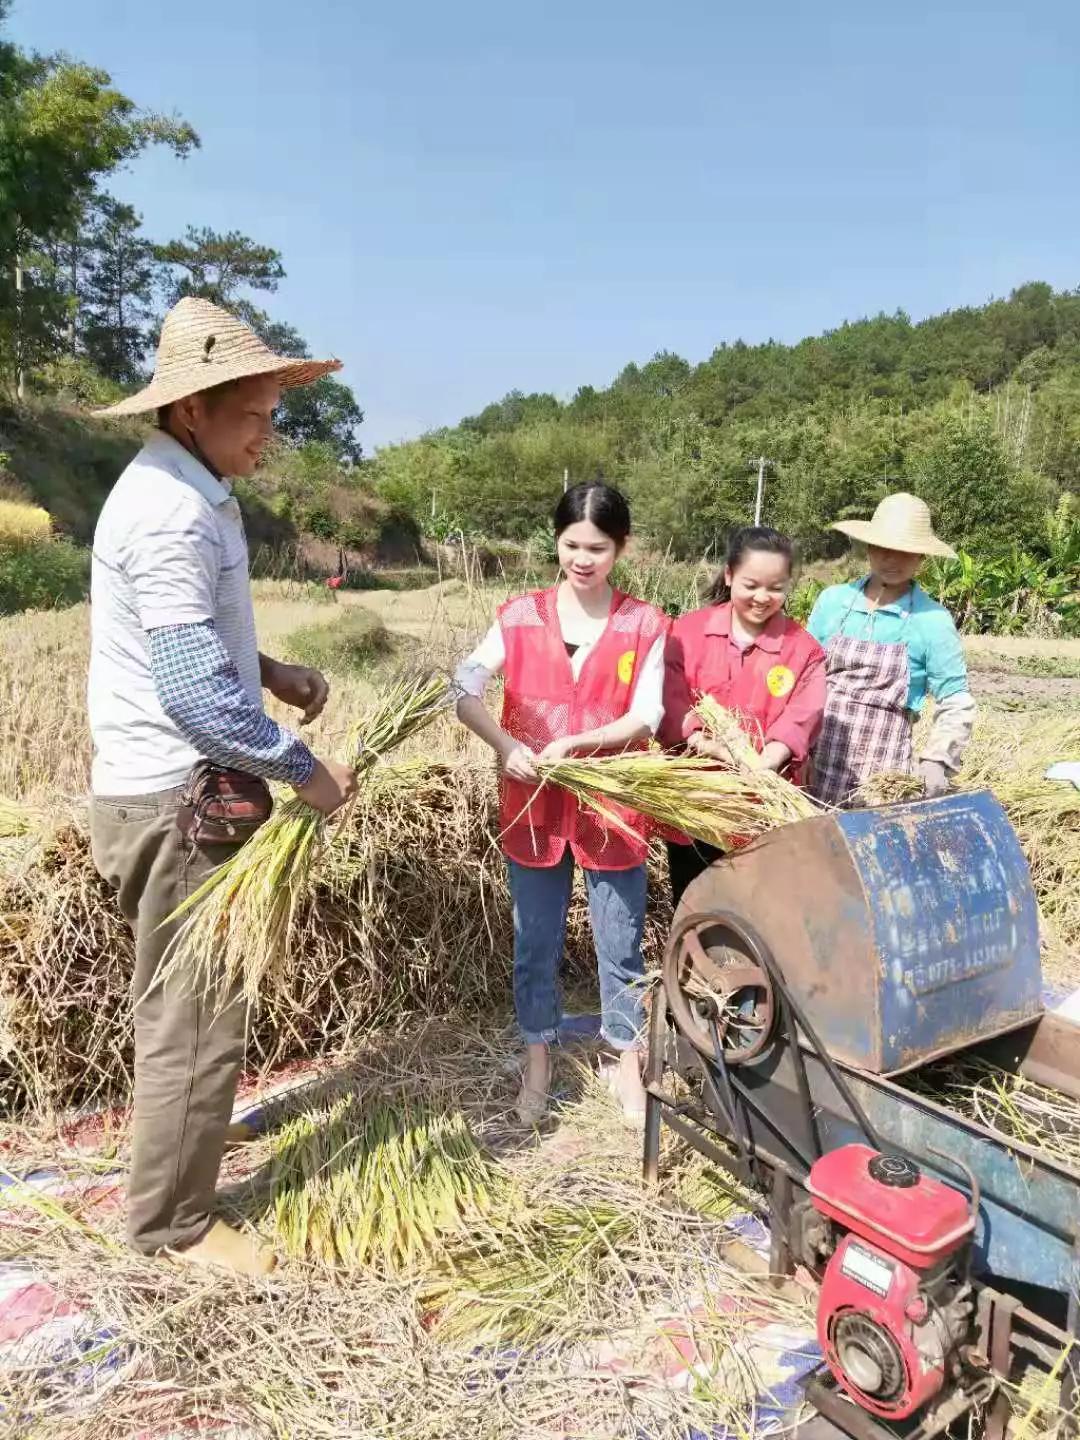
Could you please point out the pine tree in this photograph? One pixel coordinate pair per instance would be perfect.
(117, 291)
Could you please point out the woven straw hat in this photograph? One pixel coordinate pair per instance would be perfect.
(901, 522)
(202, 346)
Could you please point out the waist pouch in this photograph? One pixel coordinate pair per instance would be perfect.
(222, 807)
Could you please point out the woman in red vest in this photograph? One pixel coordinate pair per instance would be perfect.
(583, 668)
(744, 651)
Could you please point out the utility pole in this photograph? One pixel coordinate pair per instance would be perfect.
(20, 384)
(565, 479)
(761, 464)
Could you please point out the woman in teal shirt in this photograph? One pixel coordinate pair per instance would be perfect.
(888, 645)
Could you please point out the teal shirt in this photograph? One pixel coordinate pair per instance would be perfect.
(935, 655)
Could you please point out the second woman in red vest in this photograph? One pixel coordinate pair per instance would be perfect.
(583, 668)
(744, 652)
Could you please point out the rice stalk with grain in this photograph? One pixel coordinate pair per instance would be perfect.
(890, 787)
(381, 1184)
(735, 733)
(722, 804)
(511, 1286)
(1006, 1102)
(240, 922)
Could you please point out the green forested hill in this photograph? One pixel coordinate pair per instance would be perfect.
(978, 409)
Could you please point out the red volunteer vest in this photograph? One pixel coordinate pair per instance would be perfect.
(542, 702)
(759, 689)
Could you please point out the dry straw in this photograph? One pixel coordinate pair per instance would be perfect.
(317, 1354)
(242, 920)
(22, 525)
(1012, 1105)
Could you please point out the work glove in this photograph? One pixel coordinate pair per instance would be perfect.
(934, 777)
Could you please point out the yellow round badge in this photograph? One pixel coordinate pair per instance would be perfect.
(780, 680)
(626, 666)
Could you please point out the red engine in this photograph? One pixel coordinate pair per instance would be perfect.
(895, 1302)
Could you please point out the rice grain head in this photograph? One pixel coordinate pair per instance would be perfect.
(382, 1184)
(241, 922)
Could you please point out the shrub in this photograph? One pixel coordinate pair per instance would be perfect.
(351, 641)
(802, 598)
(43, 575)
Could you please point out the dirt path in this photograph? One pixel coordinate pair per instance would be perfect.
(1026, 689)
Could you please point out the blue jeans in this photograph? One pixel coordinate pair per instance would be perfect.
(617, 913)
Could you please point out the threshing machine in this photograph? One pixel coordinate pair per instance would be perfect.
(802, 975)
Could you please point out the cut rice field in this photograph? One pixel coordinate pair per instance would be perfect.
(444, 1273)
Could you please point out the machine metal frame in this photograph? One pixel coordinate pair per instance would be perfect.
(769, 1154)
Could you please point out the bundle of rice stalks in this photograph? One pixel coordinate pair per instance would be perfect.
(515, 1286)
(1008, 1103)
(243, 918)
(381, 1185)
(730, 729)
(722, 807)
(22, 525)
(891, 787)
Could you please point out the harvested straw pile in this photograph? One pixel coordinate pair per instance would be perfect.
(66, 957)
(409, 916)
(350, 642)
(513, 1285)
(381, 1184)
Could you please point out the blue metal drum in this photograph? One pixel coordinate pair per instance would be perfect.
(906, 933)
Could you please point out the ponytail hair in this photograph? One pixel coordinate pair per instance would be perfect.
(740, 544)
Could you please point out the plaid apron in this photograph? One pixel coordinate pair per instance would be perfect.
(866, 729)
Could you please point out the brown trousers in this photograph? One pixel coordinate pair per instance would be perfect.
(187, 1057)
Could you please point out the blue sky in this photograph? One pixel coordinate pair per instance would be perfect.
(477, 197)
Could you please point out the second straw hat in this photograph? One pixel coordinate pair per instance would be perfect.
(900, 522)
(202, 346)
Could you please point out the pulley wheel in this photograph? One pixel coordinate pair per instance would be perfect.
(710, 973)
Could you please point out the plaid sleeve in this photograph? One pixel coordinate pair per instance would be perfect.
(200, 691)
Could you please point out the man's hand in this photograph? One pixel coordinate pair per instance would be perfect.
(519, 762)
(297, 685)
(935, 778)
(330, 786)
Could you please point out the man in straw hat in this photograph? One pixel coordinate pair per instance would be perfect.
(887, 646)
(183, 747)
